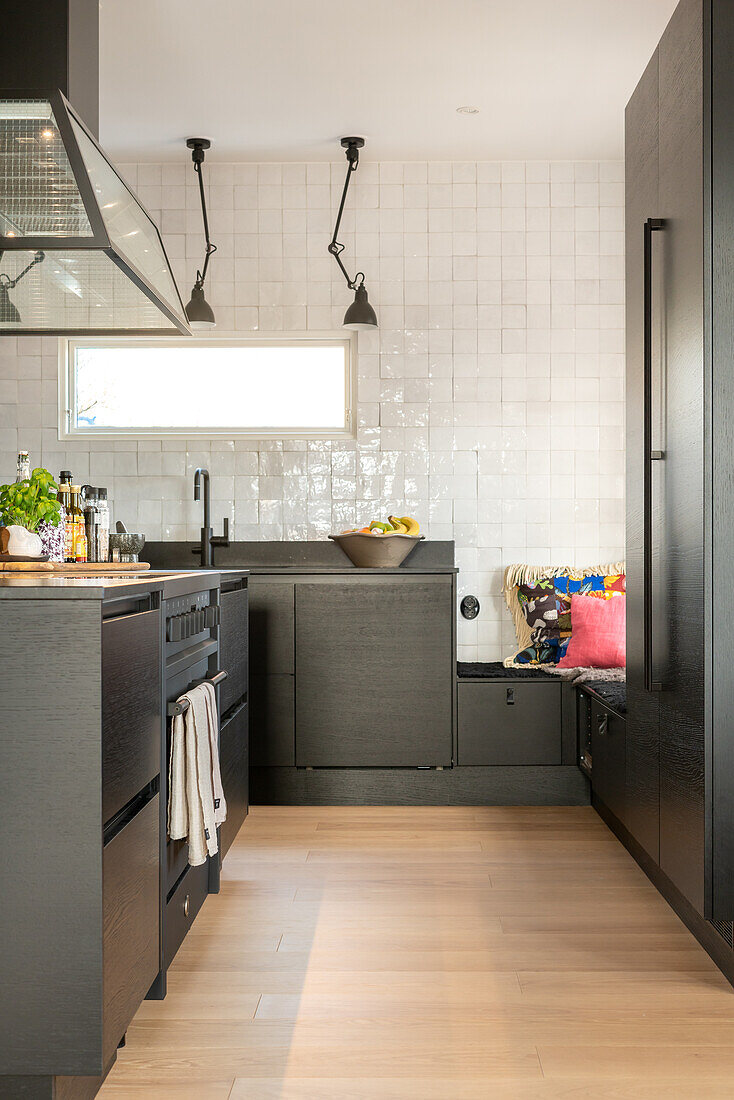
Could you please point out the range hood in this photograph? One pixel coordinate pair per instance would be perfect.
(78, 252)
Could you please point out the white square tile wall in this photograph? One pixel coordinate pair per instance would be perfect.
(490, 400)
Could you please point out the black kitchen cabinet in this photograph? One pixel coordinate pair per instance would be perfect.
(131, 707)
(608, 753)
(234, 766)
(374, 672)
(273, 722)
(509, 722)
(351, 669)
(80, 909)
(643, 715)
(680, 395)
(233, 642)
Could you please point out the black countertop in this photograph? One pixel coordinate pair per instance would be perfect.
(297, 557)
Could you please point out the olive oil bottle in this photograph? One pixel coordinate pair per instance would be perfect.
(79, 534)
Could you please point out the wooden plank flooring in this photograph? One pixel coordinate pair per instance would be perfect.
(426, 953)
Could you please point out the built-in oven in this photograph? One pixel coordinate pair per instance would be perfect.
(191, 617)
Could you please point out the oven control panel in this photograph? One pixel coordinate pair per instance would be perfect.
(189, 615)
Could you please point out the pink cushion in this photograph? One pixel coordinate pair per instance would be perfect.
(597, 633)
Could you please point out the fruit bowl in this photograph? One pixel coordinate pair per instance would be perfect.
(368, 551)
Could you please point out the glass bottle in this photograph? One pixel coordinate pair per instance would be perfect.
(91, 522)
(79, 543)
(103, 509)
(23, 469)
(64, 496)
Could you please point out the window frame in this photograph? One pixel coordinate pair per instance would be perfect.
(67, 385)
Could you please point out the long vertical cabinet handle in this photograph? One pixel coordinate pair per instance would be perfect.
(651, 226)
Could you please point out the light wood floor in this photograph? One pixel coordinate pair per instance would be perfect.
(433, 954)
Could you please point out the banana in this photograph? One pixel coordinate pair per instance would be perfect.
(399, 528)
(412, 525)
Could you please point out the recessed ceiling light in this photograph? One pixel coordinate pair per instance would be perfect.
(467, 110)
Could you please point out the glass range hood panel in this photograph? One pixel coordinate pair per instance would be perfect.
(131, 231)
(75, 291)
(100, 265)
(39, 196)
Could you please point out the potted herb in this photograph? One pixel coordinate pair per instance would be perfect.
(26, 506)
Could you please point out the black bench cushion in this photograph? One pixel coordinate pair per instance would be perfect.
(613, 693)
(495, 670)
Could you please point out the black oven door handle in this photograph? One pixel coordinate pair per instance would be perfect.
(181, 706)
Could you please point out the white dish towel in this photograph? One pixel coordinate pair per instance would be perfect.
(196, 803)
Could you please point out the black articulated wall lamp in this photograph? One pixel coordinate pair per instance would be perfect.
(199, 313)
(9, 313)
(360, 315)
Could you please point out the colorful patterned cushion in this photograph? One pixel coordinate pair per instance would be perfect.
(542, 611)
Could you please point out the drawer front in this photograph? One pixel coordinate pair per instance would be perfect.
(233, 647)
(131, 902)
(516, 722)
(181, 909)
(271, 626)
(234, 764)
(131, 707)
(272, 725)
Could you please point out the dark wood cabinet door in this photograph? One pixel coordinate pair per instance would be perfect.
(131, 707)
(511, 722)
(235, 766)
(272, 721)
(131, 900)
(608, 754)
(271, 626)
(233, 647)
(641, 202)
(374, 674)
(680, 523)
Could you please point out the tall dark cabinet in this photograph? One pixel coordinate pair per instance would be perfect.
(680, 462)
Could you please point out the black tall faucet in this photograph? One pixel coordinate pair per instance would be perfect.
(208, 540)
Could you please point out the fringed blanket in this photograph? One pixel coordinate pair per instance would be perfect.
(541, 609)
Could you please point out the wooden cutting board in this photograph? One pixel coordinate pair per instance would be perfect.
(108, 567)
(26, 567)
(78, 569)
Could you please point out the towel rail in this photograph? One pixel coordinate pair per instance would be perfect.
(182, 705)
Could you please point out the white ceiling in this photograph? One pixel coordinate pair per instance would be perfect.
(284, 79)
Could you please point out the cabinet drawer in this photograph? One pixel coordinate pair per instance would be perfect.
(233, 647)
(517, 722)
(271, 626)
(130, 891)
(234, 764)
(181, 909)
(131, 707)
(272, 725)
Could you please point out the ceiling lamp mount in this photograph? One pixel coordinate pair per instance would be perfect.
(360, 316)
(199, 313)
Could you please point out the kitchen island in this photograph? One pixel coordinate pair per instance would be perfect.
(95, 902)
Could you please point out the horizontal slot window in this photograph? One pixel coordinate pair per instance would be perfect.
(259, 387)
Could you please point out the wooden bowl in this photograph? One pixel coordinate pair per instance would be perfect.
(377, 551)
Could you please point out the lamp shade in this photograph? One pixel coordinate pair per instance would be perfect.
(199, 313)
(360, 315)
(8, 313)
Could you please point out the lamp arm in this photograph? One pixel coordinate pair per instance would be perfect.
(210, 248)
(10, 283)
(335, 247)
